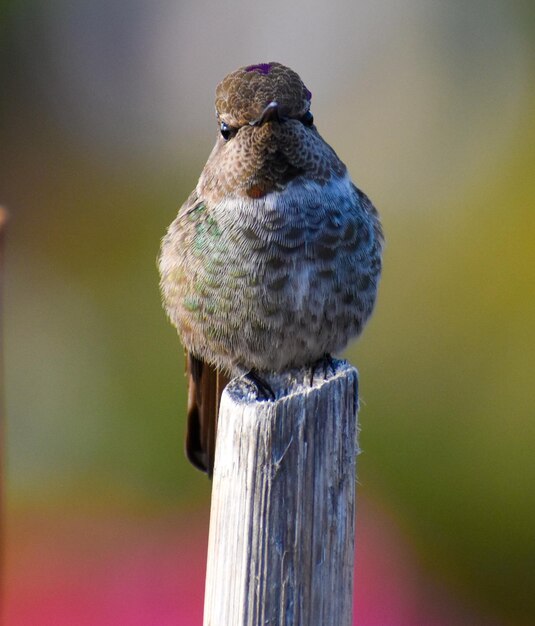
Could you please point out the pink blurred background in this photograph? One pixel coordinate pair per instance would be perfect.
(88, 571)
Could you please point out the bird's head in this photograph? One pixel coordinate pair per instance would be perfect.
(266, 135)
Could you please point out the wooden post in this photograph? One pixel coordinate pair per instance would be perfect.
(281, 546)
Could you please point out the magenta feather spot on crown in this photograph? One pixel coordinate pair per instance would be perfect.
(261, 68)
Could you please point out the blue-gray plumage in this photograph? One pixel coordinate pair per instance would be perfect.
(274, 260)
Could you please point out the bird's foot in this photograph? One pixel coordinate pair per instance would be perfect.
(324, 367)
(263, 388)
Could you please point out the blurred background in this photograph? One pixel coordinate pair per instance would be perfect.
(106, 121)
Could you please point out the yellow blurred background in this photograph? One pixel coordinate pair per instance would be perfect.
(106, 121)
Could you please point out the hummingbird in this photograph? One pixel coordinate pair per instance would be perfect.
(273, 261)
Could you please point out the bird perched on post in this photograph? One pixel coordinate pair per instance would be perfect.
(273, 262)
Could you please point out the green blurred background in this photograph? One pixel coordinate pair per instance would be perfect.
(106, 121)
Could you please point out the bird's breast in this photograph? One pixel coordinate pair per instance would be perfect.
(274, 282)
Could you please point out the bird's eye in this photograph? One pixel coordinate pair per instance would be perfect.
(307, 119)
(226, 131)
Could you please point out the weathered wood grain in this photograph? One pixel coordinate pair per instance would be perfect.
(281, 545)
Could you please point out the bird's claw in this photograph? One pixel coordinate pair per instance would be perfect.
(325, 365)
(263, 388)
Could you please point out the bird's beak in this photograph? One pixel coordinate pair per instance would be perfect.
(269, 114)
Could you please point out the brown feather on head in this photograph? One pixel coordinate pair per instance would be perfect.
(242, 96)
(267, 136)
